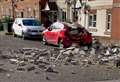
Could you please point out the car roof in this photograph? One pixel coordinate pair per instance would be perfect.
(58, 24)
(69, 25)
(24, 18)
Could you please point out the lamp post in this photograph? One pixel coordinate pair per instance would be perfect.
(86, 9)
(39, 10)
(77, 8)
(76, 5)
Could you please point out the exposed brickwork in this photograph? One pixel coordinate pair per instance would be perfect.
(25, 8)
(116, 21)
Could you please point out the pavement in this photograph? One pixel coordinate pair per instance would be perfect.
(109, 81)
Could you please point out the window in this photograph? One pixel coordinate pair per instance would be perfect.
(92, 20)
(31, 22)
(108, 25)
(63, 16)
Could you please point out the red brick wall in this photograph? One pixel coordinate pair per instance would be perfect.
(116, 22)
(22, 6)
(116, 1)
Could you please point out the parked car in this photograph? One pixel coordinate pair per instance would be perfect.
(27, 28)
(64, 34)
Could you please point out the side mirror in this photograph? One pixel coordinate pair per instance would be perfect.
(49, 28)
(19, 25)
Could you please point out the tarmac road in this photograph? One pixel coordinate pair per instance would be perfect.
(65, 73)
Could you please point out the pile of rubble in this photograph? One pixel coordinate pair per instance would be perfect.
(32, 58)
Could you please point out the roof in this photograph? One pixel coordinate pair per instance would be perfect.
(25, 18)
(58, 24)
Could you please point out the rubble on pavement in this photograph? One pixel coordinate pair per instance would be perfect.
(28, 59)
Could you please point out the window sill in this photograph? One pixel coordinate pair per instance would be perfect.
(92, 30)
(107, 32)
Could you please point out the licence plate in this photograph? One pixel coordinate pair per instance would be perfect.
(34, 33)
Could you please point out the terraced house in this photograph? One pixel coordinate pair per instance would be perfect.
(19, 8)
(27, 8)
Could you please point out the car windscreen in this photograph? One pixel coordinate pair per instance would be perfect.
(31, 22)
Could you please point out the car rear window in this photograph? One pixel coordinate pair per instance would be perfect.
(57, 25)
(31, 22)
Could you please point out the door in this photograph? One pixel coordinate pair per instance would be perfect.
(51, 34)
(18, 27)
(54, 34)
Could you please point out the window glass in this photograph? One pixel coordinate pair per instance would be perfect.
(108, 28)
(92, 20)
(31, 22)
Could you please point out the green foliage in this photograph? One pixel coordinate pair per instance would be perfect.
(6, 19)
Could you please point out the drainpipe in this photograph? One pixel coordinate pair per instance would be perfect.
(13, 9)
(39, 6)
(68, 12)
(74, 14)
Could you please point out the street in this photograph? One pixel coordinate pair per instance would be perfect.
(65, 73)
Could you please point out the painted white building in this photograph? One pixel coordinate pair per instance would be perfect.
(98, 19)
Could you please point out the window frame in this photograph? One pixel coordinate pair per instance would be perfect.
(92, 20)
(108, 21)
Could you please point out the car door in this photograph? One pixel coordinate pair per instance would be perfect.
(55, 34)
(17, 27)
(48, 34)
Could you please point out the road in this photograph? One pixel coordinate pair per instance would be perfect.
(8, 41)
(65, 73)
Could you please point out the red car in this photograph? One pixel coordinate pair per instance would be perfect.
(64, 34)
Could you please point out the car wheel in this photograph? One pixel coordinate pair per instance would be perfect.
(23, 36)
(44, 40)
(60, 44)
(90, 45)
(14, 34)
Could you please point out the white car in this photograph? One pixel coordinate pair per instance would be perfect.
(27, 27)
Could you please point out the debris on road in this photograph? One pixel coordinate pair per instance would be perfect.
(28, 59)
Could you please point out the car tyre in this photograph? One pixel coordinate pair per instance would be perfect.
(60, 44)
(14, 34)
(90, 45)
(23, 36)
(44, 40)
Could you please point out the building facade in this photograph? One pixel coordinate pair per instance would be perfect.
(100, 17)
(20, 8)
(27, 8)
